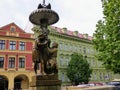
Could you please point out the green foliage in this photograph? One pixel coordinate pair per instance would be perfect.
(78, 70)
(107, 36)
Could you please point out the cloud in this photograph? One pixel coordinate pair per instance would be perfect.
(79, 15)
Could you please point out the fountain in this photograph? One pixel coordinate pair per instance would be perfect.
(43, 55)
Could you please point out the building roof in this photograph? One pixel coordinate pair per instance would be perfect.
(72, 33)
(59, 30)
(8, 26)
(12, 30)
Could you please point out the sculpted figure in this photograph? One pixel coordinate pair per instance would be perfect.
(45, 56)
(52, 60)
(40, 53)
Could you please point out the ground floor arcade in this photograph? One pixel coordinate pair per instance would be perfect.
(12, 80)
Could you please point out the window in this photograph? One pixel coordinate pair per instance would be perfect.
(12, 45)
(63, 77)
(95, 76)
(94, 62)
(65, 47)
(100, 76)
(1, 62)
(21, 62)
(106, 77)
(67, 61)
(60, 46)
(22, 46)
(75, 48)
(70, 47)
(80, 48)
(91, 77)
(88, 50)
(91, 51)
(61, 61)
(12, 29)
(2, 44)
(84, 50)
(11, 62)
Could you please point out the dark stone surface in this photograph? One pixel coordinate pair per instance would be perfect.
(45, 82)
(39, 14)
(44, 77)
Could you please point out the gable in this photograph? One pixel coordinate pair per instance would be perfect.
(12, 27)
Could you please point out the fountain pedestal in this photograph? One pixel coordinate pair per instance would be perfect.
(45, 82)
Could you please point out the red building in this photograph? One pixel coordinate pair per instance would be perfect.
(15, 57)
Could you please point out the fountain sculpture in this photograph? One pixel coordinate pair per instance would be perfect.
(43, 54)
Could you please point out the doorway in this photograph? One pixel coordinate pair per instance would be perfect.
(17, 84)
(3, 83)
(21, 82)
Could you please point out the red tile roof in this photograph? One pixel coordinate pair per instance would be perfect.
(71, 33)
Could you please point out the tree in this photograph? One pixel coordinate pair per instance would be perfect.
(78, 70)
(107, 36)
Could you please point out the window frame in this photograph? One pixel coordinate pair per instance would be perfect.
(2, 62)
(2, 44)
(12, 29)
(22, 62)
(22, 46)
(11, 63)
(12, 45)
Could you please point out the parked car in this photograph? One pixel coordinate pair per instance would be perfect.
(82, 85)
(97, 84)
(115, 83)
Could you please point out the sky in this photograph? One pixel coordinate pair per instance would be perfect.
(75, 15)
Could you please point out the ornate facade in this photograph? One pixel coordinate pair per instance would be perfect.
(73, 41)
(70, 42)
(15, 57)
(16, 46)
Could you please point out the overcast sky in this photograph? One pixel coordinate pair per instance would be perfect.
(75, 15)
